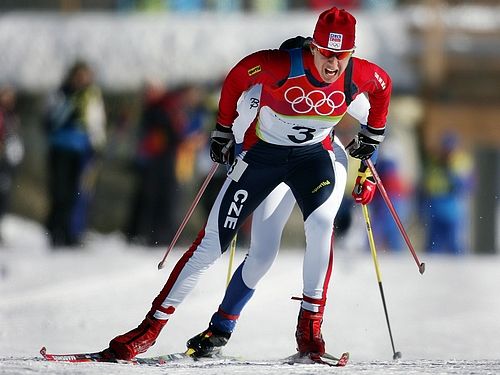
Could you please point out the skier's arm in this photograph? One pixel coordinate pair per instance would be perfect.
(267, 67)
(376, 83)
(264, 67)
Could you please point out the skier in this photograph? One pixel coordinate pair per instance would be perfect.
(268, 222)
(303, 96)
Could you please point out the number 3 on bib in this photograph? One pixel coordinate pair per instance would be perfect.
(304, 134)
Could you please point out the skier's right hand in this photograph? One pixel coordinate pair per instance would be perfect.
(222, 145)
(365, 186)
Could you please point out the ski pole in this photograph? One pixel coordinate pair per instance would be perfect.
(189, 213)
(383, 192)
(396, 355)
(232, 251)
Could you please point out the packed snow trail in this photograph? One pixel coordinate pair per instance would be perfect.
(445, 321)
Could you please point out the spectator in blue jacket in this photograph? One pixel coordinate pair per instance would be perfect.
(75, 123)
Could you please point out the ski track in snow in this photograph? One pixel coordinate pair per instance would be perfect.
(23, 366)
(444, 322)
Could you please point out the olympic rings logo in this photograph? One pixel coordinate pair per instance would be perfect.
(323, 105)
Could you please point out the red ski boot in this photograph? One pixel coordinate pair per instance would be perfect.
(136, 341)
(308, 333)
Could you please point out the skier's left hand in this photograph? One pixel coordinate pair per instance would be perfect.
(362, 147)
(222, 145)
(364, 188)
(365, 143)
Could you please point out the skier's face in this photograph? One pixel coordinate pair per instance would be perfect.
(330, 64)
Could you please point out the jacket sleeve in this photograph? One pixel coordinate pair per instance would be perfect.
(376, 83)
(267, 67)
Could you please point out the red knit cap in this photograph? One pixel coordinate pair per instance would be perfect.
(335, 29)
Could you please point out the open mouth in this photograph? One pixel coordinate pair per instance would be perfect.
(331, 72)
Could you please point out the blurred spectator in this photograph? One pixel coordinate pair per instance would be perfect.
(151, 5)
(385, 230)
(160, 5)
(185, 5)
(11, 145)
(267, 6)
(447, 186)
(194, 136)
(378, 4)
(225, 5)
(126, 5)
(169, 129)
(75, 122)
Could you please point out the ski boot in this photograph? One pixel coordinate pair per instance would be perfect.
(308, 334)
(208, 343)
(136, 341)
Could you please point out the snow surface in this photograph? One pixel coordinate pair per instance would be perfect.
(444, 322)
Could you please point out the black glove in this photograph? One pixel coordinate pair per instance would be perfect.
(222, 145)
(364, 144)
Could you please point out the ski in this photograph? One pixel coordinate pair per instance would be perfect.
(153, 361)
(326, 359)
(76, 357)
(98, 357)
